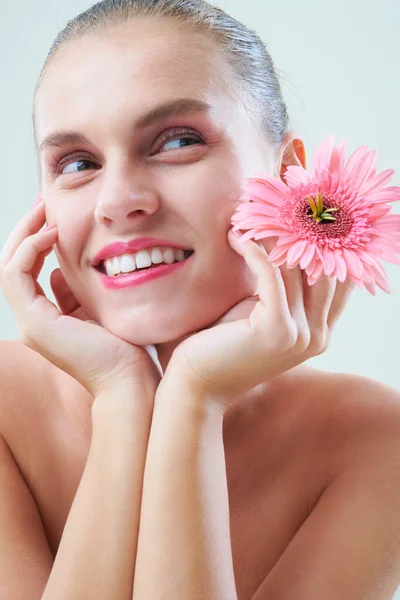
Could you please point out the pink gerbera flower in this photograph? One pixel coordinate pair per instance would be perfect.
(333, 220)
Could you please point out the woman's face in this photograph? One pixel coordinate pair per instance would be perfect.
(126, 182)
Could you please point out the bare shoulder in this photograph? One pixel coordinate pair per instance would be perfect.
(32, 388)
(345, 455)
(355, 412)
(358, 400)
(20, 367)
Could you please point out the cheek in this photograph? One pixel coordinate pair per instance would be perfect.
(207, 193)
(72, 239)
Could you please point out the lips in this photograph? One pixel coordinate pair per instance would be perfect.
(131, 246)
(101, 266)
(142, 276)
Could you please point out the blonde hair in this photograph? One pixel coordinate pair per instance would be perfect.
(245, 52)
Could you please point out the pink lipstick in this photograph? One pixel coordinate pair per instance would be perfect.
(142, 276)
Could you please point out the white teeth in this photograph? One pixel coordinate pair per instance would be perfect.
(169, 256)
(114, 266)
(126, 263)
(156, 256)
(141, 260)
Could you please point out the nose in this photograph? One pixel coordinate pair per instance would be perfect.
(125, 204)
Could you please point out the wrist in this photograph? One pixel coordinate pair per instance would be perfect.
(125, 397)
(188, 394)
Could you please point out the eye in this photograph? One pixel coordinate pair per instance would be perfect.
(169, 137)
(173, 136)
(80, 162)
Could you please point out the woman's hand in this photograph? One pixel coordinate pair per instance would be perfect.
(287, 323)
(67, 337)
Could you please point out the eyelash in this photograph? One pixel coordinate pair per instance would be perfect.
(166, 137)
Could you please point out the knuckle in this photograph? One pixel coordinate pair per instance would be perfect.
(7, 272)
(320, 340)
(303, 339)
(26, 338)
(288, 335)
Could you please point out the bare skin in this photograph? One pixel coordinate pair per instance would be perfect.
(282, 449)
(287, 441)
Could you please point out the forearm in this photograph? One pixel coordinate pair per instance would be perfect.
(97, 553)
(184, 549)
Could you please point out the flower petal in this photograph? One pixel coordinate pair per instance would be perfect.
(360, 172)
(267, 233)
(389, 194)
(276, 208)
(379, 277)
(308, 255)
(288, 238)
(279, 252)
(261, 209)
(341, 268)
(295, 252)
(354, 264)
(296, 176)
(322, 156)
(246, 236)
(317, 271)
(268, 181)
(377, 211)
(377, 182)
(337, 159)
(371, 288)
(262, 193)
(329, 261)
(353, 163)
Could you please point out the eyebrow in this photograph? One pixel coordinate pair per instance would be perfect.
(162, 111)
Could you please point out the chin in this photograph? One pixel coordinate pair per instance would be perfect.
(146, 331)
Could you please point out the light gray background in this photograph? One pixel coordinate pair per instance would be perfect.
(339, 67)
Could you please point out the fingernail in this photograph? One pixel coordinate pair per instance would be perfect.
(49, 227)
(38, 200)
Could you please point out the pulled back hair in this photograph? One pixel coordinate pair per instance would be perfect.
(245, 52)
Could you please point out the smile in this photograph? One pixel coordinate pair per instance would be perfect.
(141, 275)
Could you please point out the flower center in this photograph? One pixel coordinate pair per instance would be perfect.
(318, 211)
(324, 215)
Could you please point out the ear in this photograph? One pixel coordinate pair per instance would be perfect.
(293, 152)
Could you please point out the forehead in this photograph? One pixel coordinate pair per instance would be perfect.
(129, 68)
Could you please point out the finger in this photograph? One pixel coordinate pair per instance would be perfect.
(270, 286)
(293, 280)
(318, 301)
(65, 298)
(342, 295)
(38, 266)
(17, 273)
(30, 224)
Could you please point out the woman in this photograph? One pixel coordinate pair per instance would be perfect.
(250, 475)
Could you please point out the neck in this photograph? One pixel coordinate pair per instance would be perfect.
(258, 400)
